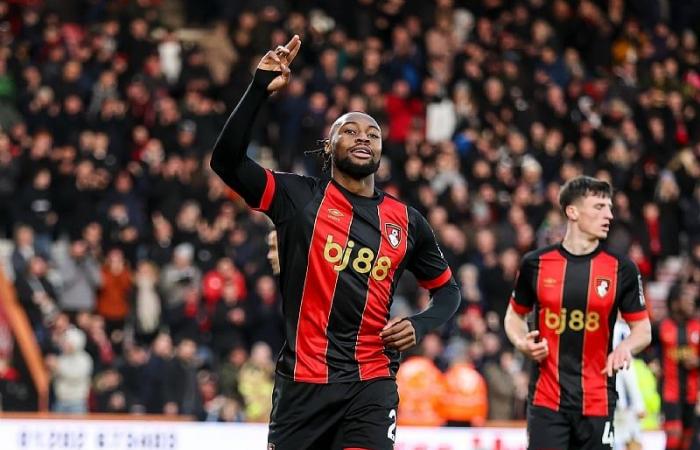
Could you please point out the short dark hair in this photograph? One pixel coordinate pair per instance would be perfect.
(583, 186)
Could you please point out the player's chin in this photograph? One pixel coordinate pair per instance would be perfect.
(603, 234)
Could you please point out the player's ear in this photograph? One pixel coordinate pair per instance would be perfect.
(571, 212)
(327, 146)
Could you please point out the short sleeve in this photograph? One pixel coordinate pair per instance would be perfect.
(427, 261)
(284, 194)
(631, 292)
(523, 297)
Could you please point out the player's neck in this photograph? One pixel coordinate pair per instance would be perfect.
(578, 243)
(363, 187)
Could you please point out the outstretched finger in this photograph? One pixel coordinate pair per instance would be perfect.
(293, 46)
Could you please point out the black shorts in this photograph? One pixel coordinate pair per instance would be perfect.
(307, 416)
(561, 430)
(679, 414)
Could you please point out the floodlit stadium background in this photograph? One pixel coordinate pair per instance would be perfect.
(116, 237)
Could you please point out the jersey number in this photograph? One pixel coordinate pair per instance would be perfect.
(608, 435)
(361, 263)
(391, 433)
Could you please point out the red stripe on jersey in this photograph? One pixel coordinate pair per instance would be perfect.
(602, 285)
(668, 335)
(438, 281)
(550, 295)
(518, 308)
(319, 287)
(268, 193)
(369, 350)
(634, 316)
(692, 333)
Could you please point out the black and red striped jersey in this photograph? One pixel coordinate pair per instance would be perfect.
(576, 299)
(679, 341)
(341, 256)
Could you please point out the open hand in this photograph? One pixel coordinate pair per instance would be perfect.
(278, 60)
(399, 334)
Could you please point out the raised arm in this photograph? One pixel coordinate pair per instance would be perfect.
(229, 159)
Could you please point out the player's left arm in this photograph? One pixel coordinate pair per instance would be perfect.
(433, 273)
(633, 309)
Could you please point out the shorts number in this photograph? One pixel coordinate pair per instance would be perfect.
(608, 435)
(391, 432)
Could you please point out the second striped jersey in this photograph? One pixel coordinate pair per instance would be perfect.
(576, 299)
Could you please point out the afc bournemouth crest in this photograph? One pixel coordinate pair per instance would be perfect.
(602, 286)
(393, 234)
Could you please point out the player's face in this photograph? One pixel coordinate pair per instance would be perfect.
(594, 215)
(356, 143)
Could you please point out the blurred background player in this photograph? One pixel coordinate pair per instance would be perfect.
(679, 349)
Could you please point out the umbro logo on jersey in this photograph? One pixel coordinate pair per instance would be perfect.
(393, 234)
(602, 286)
(549, 282)
(334, 214)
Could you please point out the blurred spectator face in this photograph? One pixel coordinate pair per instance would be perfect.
(272, 252)
(42, 180)
(115, 260)
(510, 260)
(189, 215)
(266, 288)
(24, 237)
(229, 293)
(261, 355)
(650, 212)
(238, 356)
(139, 28)
(123, 182)
(37, 266)
(329, 60)
(401, 88)
(485, 241)
(186, 350)
(494, 90)
(163, 345)
(78, 248)
(146, 272)
(524, 237)
(182, 255)
(137, 356)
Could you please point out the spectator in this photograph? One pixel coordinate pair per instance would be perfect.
(146, 311)
(181, 392)
(80, 277)
(113, 297)
(255, 382)
(72, 370)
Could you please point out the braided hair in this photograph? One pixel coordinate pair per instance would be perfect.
(321, 153)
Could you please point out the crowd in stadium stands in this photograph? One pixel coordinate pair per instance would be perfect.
(146, 280)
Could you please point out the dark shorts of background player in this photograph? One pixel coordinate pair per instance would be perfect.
(682, 414)
(560, 430)
(307, 416)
